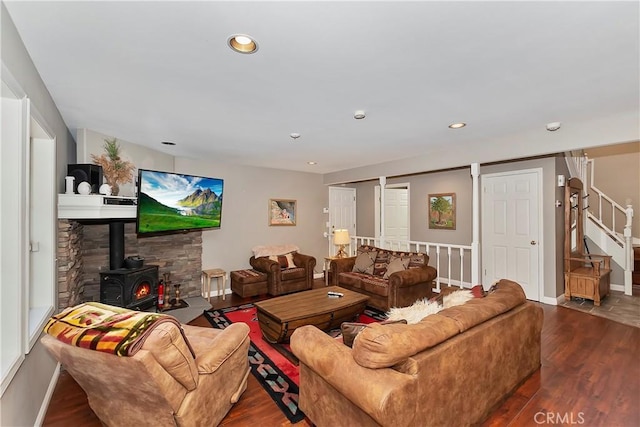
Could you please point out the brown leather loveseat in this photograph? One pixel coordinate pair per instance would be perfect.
(389, 278)
(451, 368)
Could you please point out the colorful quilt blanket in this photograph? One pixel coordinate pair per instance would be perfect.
(105, 328)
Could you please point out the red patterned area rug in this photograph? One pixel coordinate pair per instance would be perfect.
(274, 366)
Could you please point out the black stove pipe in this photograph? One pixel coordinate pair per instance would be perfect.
(116, 245)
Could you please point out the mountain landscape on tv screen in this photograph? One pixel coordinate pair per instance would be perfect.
(200, 209)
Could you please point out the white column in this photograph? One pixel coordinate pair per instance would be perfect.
(628, 271)
(476, 278)
(383, 183)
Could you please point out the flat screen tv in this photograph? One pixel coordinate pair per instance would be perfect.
(173, 202)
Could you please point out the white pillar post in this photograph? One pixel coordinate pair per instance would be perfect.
(628, 271)
(383, 183)
(476, 277)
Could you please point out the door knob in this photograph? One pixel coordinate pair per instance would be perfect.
(533, 243)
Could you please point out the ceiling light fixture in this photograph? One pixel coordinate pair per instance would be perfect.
(294, 135)
(457, 125)
(168, 143)
(242, 43)
(359, 115)
(553, 126)
(312, 163)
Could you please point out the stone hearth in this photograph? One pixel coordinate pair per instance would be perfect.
(83, 250)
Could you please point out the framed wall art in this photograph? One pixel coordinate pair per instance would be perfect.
(282, 212)
(442, 211)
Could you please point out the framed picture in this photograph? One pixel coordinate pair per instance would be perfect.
(282, 212)
(442, 211)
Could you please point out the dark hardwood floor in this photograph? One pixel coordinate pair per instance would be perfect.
(590, 376)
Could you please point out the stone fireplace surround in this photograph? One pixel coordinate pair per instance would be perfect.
(83, 250)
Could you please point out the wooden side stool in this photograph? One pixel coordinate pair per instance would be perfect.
(214, 273)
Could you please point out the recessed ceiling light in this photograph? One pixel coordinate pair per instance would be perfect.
(553, 126)
(359, 115)
(242, 43)
(312, 163)
(457, 125)
(168, 143)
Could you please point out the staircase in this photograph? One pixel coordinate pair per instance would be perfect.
(614, 238)
(636, 271)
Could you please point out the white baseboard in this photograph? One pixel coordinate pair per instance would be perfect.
(619, 288)
(318, 275)
(553, 301)
(47, 397)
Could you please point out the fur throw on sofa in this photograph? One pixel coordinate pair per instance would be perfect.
(266, 250)
(424, 307)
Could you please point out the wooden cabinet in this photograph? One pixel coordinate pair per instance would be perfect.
(585, 275)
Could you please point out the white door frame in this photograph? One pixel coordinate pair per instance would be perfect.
(378, 208)
(540, 241)
(331, 224)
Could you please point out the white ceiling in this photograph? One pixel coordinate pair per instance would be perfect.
(147, 72)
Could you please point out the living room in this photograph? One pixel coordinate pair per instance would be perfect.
(248, 187)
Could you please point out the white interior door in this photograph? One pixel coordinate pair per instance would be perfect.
(396, 212)
(511, 229)
(342, 213)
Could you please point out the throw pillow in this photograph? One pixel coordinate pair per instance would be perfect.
(290, 262)
(382, 261)
(478, 291)
(285, 261)
(350, 330)
(396, 264)
(364, 262)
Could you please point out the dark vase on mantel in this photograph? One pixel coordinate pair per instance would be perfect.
(115, 189)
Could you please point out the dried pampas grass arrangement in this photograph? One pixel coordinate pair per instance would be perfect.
(115, 170)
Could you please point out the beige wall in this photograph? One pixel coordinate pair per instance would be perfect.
(420, 186)
(244, 224)
(22, 400)
(617, 174)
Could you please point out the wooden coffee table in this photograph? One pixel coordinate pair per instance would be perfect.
(279, 317)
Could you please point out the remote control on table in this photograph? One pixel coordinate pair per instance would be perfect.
(335, 294)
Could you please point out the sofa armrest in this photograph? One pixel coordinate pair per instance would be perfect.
(340, 265)
(381, 393)
(306, 261)
(412, 276)
(264, 265)
(214, 347)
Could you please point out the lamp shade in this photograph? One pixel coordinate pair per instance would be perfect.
(341, 237)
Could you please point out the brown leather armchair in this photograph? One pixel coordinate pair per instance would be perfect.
(286, 280)
(162, 384)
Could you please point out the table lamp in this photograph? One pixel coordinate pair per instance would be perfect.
(341, 239)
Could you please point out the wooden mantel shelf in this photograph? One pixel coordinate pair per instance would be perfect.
(96, 206)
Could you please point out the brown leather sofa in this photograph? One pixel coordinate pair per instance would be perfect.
(162, 384)
(400, 289)
(451, 368)
(282, 280)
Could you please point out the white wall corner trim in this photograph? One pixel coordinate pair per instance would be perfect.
(47, 397)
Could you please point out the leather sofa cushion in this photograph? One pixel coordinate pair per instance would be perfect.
(293, 273)
(367, 282)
